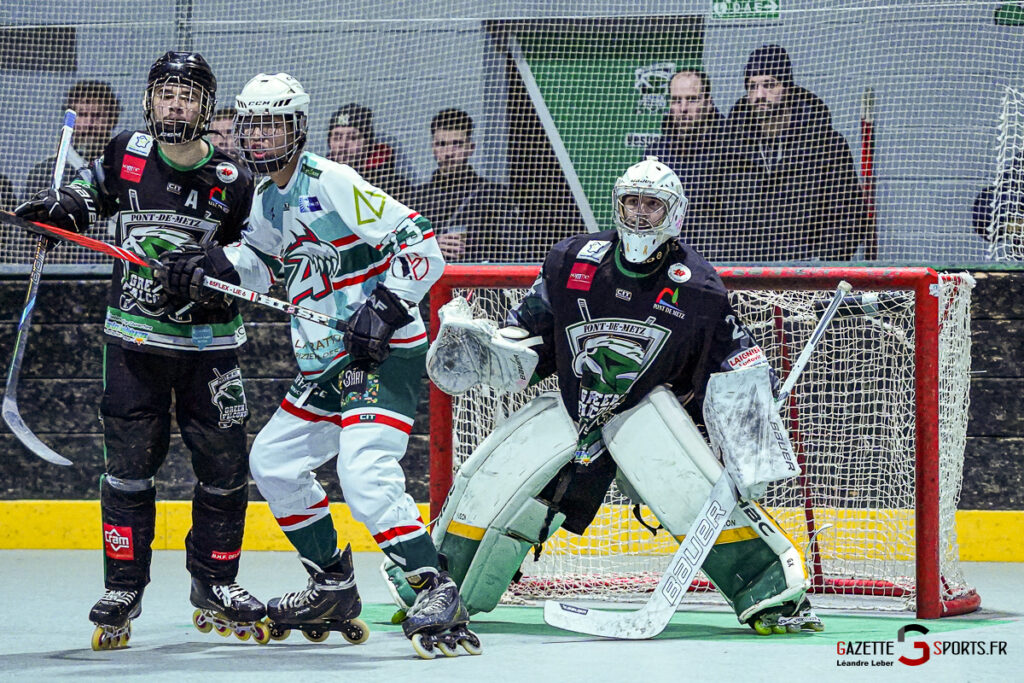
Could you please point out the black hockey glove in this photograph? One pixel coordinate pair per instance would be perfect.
(181, 273)
(369, 331)
(72, 207)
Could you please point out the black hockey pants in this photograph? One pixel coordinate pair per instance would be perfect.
(136, 411)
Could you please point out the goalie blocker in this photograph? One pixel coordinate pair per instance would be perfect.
(492, 516)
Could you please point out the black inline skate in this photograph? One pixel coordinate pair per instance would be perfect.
(438, 620)
(228, 608)
(113, 615)
(329, 603)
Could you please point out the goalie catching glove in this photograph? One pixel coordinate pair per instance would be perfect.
(71, 207)
(368, 336)
(181, 272)
(470, 351)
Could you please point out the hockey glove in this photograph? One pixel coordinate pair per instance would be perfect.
(369, 331)
(72, 207)
(181, 272)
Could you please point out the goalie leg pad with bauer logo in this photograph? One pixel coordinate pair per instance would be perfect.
(491, 517)
(753, 563)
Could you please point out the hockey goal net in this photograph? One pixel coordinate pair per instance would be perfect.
(878, 420)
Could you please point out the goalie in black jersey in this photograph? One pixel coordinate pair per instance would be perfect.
(634, 323)
(168, 188)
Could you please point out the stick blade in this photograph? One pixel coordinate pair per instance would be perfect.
(18, 427)
(636, 625)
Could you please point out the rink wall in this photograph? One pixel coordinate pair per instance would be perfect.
(984, 535)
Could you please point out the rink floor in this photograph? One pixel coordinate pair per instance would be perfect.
(45, 596)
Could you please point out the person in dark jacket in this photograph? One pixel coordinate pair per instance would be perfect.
(793, 193)
(998, 214)
(474, 219)
(692, 135)
(351, 140)
(97, 109)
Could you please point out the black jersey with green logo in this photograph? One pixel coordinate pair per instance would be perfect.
(613, 335)
(156, 206)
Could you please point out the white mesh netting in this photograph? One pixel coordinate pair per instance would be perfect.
(852, 421)
(878, 149)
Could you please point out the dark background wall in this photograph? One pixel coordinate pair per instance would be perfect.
(61, 386)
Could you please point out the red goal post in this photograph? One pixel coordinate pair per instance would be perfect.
(920, 568)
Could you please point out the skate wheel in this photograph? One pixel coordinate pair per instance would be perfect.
(424, 650)
(471, 643)
(779, 630)
(122, 642)
(276, 632)
(356, 632)
(761, 628)
(199, 619)
(99, 639)
(446, 650)
(222, 630)
(316, 636)
(260, 633)
(243, 635)
(398, 617)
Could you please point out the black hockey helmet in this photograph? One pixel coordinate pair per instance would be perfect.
(188, 70)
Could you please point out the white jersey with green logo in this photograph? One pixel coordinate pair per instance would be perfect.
(332, 237)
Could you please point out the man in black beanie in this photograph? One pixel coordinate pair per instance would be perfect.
(792, 188)
(351, 140)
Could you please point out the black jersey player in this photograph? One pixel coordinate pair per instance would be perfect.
(168, 188)
(622, 318)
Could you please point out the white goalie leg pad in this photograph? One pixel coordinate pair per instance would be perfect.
(660, 451)
(469, 351)
(491, 517)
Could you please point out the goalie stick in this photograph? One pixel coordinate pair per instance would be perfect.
(654, 616)
(11, 414)
(117, 252)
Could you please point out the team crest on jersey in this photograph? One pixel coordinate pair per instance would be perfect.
(593, 251)
(666, 302)
(313, 263)
(677, 272)
(609, 355)
(150, 234)
(227, 393)
(140, 144)
(227, 172)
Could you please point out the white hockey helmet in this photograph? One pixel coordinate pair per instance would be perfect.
(270, 126)
(643, 226)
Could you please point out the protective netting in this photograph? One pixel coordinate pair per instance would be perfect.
(852, 422)
(1000, 209)
(866, 134)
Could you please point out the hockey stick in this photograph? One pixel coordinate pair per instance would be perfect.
(11, 414)
(211, 283)
(654, 616)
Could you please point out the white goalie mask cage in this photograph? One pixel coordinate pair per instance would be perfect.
(270, 126)
(640, 235)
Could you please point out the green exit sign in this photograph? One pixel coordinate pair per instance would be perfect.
(745, 9)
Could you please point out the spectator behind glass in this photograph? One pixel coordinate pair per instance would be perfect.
(351, 140)
(221, 129)
(98, 110)
(473, 218)
(794, 191)
(692, 136)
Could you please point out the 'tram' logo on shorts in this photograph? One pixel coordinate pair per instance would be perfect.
(117, 542)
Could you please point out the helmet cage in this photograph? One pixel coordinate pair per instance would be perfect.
(253, 131)
(189, 72)
(640, 238)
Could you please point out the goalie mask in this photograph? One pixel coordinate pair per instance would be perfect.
(270, 126)
(649, 207)
(180, 96)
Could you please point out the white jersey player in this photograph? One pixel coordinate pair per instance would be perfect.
(345, 248)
